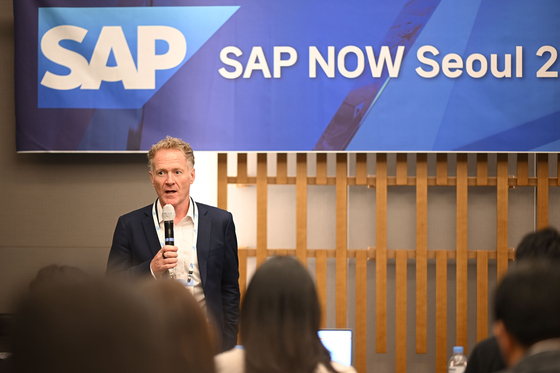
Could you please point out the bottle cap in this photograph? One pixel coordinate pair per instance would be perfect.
(458, 349)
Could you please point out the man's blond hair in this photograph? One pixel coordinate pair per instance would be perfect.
(171, 143)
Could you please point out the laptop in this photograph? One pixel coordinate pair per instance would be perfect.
(339, 344)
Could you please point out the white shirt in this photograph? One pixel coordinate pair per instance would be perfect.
(183, 234)
(233, 361)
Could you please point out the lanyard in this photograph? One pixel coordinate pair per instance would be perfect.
(189, 281)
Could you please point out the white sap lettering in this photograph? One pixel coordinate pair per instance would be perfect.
(90, 75)
(435, 66)
(111, 38)
(451, 65)
(376, 67)
(257, 54)
(342, 61)
(77, 64)
(279, 62)
(316, 57)
(483, 65)
(231, 62)
(149, 61)
(506, 72)
(519, 61)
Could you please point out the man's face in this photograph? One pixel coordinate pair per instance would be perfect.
(172, 177)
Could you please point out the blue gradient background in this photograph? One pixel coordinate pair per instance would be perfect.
(290, 114)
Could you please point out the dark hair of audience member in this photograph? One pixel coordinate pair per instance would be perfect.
(543, 244)
(185, 326)
(527, 301)
(57, 273)
(88, 327)
(280, 318)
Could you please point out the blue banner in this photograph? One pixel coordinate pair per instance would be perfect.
(314, 75)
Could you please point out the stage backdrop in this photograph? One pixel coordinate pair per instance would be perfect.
(288, 75)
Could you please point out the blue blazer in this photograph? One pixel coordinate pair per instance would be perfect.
(135, 243)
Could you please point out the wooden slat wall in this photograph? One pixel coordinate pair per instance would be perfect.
(421, 254)
(481, 295)
(381, 259)
(222, 181)
(381, 253)
(462, 245)
(441, 312)
(321, 281)
(502, 214)
(361, 310)
(341, 237)
(301, 208)
(262, 202)
(542, 191)
(400, 311)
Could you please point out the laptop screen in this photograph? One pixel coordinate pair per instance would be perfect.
(339, 344)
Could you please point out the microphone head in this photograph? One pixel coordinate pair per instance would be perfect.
(168, 213)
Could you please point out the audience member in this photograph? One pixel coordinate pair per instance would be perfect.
(527, 314)
(541, 245)
(55, 273)
(280, 317)
(185, 326)
(47, 276)
(88, 327)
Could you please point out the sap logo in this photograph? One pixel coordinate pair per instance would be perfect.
(117, 57)
(89, 75)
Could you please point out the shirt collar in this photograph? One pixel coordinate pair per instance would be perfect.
(552, 344)
(190, 213)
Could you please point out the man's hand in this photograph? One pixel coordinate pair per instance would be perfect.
(165, 259)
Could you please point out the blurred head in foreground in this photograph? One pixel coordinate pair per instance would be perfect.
(540, 245)
(54, 273)
(184, 324)
(87, 326)
(280, 317)
(527, 308)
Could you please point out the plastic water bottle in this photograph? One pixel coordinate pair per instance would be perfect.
(458, 362)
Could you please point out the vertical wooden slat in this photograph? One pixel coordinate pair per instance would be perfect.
(482, 169)
(402, 169)
(421, 253)
(321, 281)
(381, 254)
(441, 169)
(341, 238)
(558, 169)
(301, 208)
(462, 246)
(400, 310)
(502, 189)
(523, 169)
(361, 311)
(262, 202)
(542, 191)
(242, 255)
(361, 169)
(241, 168)
(222, 181)
(282, 168)
(242, 272)
(441, 312)
(321, 169)
(481, 295)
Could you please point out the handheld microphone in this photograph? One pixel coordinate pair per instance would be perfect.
(168, 217)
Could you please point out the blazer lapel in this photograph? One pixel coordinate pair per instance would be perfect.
(150, 232)
(203, 241)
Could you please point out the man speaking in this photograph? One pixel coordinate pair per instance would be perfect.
(204, 254)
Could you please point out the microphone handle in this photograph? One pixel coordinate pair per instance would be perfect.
(169, 240)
